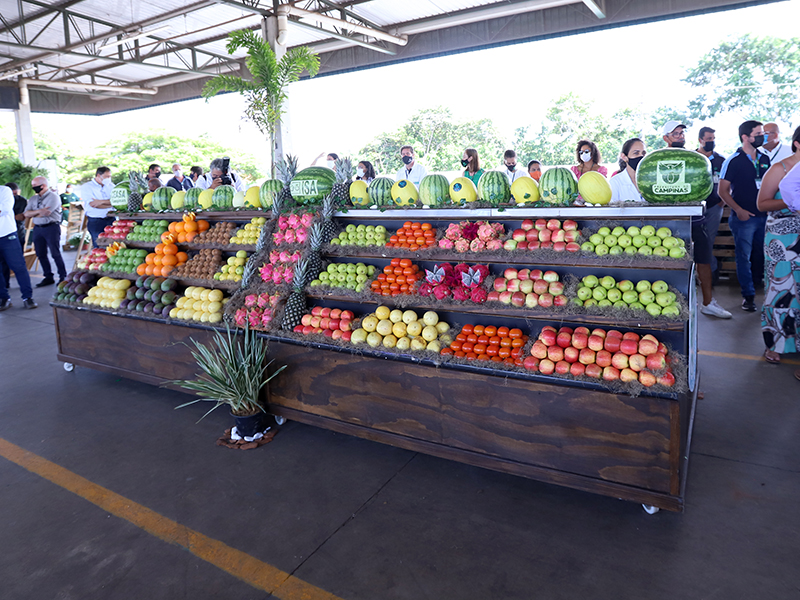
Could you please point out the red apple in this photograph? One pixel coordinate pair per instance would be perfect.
(539, 349)
(346, 335)
(559, 235)
(627, 375)
(524, 274)
(336, 313)
(593, 371)
(571, 354)
(510, 245)
(560, 300)
(546, 366)
(345, 324)
(559, 246)
(327, 332)
(308, 329)
(587, 356)
(556, 288)
(667, 379)
(536, 274)
(553, 224)
(526, 286)
(315, 322)
(599, 332)
(513, 285)
(527, 225)
(612, 344)
(510, 273)
(629, 347)
(532, 235)
(546, 300)
(336, 334)
(545, 235)
(610, 374)
(500, 284)
(646, 378)
(565, 329)
(580, 340)
(316, 310)
(619, 360)
(564, 339)
(493, 297)
(549, 328)
(548, 336)
(531, 363)
(518, 299)
(334, 324)
(347, 314)
(522, 245)
(545, 245)
(298, 329)
(637, 362)
(577, 369)
(505, 297)
(555, 353)
(614, 333)
(631, 336)
(562, 367)
(325, 322)
(571, 236)
(583, 330)
(306, 320)
(540, 286)
(570, 225)
(663, 349)
(595, 342)
(550, 276)
(534, 245)
(647, 347)
(603, 358)
(519, 235)
(656, 361)
(325, 312)
(531, 300)
(540, 224)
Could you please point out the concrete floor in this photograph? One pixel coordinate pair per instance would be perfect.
(366, 521)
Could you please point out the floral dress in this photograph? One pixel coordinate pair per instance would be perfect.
(780, 316)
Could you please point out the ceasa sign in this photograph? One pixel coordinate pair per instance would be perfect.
(305, 187)
(671, 178)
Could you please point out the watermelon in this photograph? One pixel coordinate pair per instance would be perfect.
(674, 175)
(311, 185)
(493, 187)
(380, 191)
(269, 187)
(434, 190)
(404, 193)
(463, 191)
(525, 190)
(594, 188)
(558, 186)
(190, 201)
(359, 196)
(223, 196)
(119, 198)
(162, 197)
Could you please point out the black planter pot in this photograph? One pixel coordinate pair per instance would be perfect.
(249, 426)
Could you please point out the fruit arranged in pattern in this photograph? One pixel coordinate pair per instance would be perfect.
(292, 229)
(361, 235)
(163, 259)
(646, 240)
(147, 201)
(525, 190)
(601, 354)
(118, 230)
(359, 194)
(75, 287)
(558, 186)
(199, 304)
(351, 276)
(546, 234)
(529, 288)
(287, 169)
(403, 330)
(655, 297)
(203, 265)
(151, 295)
(328, 231)
(488, 342)
(107, 293)
(400, 276)
(463, 283)
(380, 191)
(434, 190)
(463, 191)
(219, 234)
(257, 312)
(413, 236)
(404, 193)
(493, 187)
(223, 196)
(311, 185)
(467, 236)
(594, 188)
(280, 268)
(93, 260)
(136, 186)
(188, 229)
(149, 230)
(233, 269)
(334, 323)
(248, 234)
(674, 175)
(162, 197)
(125, 260)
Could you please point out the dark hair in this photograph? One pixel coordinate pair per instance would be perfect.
(409, 147)
(626, 147)
(153, 166)
(795, 139)
(533, 162)
(476, 163)
(747, 127)
(197, 170)
(369, 170)
(101, 171)
(703, 131)
(509, 154)
(12, 186)
(334, 155)
(592, 147)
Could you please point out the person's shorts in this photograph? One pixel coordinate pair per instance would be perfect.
(703, 246)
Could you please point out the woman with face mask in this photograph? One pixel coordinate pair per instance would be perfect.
(623, 184)
(330, 160)
(472, 165)
(588, 159)
(535, 169)
(365, 171)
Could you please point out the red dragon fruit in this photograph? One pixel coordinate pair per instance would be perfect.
(446, 244)
(250, 300)
(274, 256)
(425, 289)
(499, 228)
(263, 300)
(441, 292)
(470, 231)
(460, 293)
(483, 270)
(462, 245)
(295, 257)
(453, 232)
(478, 295)
(494, 245)
(240, 317)
(283, 222)
(290, 237)
(278, 238)
(306, 219)
(266, 272)
(477, 245)
(486, 233)
(288, 276)
(266, 318)
(283, 256)
(294, 221)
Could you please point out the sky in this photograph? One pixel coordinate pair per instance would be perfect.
(617, 68)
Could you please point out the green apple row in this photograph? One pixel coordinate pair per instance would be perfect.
(233, 270)
(654, 297)
(362, 235)
(646, 240)
(352, 276)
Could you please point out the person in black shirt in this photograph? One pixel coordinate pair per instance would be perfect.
(19, 207)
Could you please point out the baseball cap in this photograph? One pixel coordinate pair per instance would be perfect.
(670, 126)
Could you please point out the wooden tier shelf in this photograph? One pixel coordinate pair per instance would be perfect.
(207, 283)
(150, 245)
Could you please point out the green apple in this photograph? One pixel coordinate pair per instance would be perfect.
(315, 283)
(601, 250)
(370, 228)
(648, 230)
(677, 252)
(241, 254)
(350, 228)
(647, 297)
(670, 242)
(577, 302)
(643, 286)
(380, 229)
(336, 242)
(361, 227)
(616, 250)
(618, 231)
(605, 302)
(614, 295)
(604, 231)
(370, 270)
(624, 240)
(590, 281)
(599, 293)
(590, 302)
(661, 251)
(625, 285)
(659, 287)
(646, 250)
(664, 232)
(596, 239)
(654, 309)
(654, 241)
(620, 304)
(610, 240)
(584, 293)
(608, 282)
(663, 300)
(634, 231)
(671, 311)
(636, 306)
(631, 250)
(587, 247)
(639, 241)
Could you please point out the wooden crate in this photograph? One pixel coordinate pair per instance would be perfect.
(724, 248)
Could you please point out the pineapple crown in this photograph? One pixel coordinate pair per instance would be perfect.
(287, 169)
(299, 279)
(136, 182)
(328, 207)
(277, 205)
(315, 237)
(344, 169)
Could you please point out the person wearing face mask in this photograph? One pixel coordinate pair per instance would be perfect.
(740, 180)
(330, 160)
(365, 171)
(179, 182)
(472, 165)
(195, 173)
(673, 133)
(706, 146)
(44, 207)
(411, 169)
(96, 194)
(213, 179)
(773, 146)
(68, 196)
(153, 171)
(623, 184)
(512, 170)
(535, 169)
(588, 159)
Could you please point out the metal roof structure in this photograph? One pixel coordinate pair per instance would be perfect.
(103, 56)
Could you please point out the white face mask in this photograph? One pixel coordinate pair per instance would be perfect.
(331, 164)
(107, 181)
(586, 156)
(177, 173)
(359, 172)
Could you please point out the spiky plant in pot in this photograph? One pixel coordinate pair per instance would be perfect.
(341, 189)
(314, 246)
(296, 305)
(328, 226)
(137, 186)
(287, 169)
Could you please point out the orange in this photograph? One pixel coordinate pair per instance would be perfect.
(149, 259)
(502, 331)
(159, 249)
(426, 226)
(170, 249)
(169, 260)
(202, 225)
(182, 257)
(467, 329)
(178, 226)
(182, 237)
(157, 260)
(171, 227)
(166, 271)
(478, 330)
(190, 226)
(190, 236)
(405, 263)
(515, 333)
(141, 269)
(149, 269)
(416, 226)
(157, 271)
(408, 225)
(490, 330)
(395, 262)
(167, 237)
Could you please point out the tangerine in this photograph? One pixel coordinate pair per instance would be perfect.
(202, 225)
(190, 236)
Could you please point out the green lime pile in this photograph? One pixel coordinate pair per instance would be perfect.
(635, 240)
(351, 276)
(654, 297)
(362, 235)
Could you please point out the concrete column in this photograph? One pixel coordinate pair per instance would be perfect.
(22, 118)
(282, 141)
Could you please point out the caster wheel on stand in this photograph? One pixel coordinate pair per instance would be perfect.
(650, 510)
(69, 367)
(280, 420)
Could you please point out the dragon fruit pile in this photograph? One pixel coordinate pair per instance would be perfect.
(280, 268)
(257, 311)
(473, 237)
(292, 229)
(462, 282)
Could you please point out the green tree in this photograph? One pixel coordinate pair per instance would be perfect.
(756, 76)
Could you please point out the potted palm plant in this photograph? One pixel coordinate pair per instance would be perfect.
(234, 370)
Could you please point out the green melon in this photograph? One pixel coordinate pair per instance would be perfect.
(493, 187)
(404, 193)
(558, 186)
(311, 185)
(162, 197)
(380, 191)
(223, 196)
(434, 190)
(119, 198)
(674, 176)
(269, 187)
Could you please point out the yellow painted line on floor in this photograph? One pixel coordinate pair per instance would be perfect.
(784, 361)
(247, 568)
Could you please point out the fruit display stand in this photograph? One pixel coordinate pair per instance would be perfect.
(584, 434)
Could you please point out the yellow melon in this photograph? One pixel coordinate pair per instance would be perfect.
(525, 190)
(594, 188)
(206, 198)
(463, 191)
(177, 200)
(358, 193)
(147, 201)
(252, 198)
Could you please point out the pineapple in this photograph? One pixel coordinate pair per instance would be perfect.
(137, 186)
(328, 226)
(277, 204)
(296, 305)
(287, 169)
(341, 189)
(315, 239)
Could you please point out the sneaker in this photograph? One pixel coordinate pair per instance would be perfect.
(46, 282)
(712, 309)
(5, 304)
(29, 304)
(749, 304)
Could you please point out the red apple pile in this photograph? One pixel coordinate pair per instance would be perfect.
(118, 230)
(334, 323)
(95, 258)
(548, 234)
(600, 354)
(528, 287)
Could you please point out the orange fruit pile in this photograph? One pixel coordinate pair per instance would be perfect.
(185, 231)
(164, 259)
(398, 277)
(487, 342)
(413, 236)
